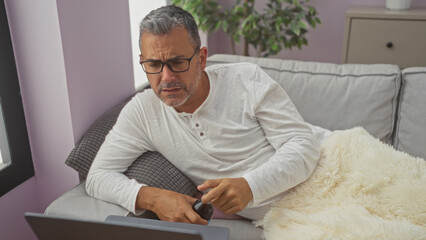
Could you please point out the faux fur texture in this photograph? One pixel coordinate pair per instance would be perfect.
(361, 189)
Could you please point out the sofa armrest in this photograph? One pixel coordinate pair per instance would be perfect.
(76, 203)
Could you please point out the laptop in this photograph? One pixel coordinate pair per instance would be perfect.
(207, 232)
(115, 227)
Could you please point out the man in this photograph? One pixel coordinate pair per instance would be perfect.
(230, 128)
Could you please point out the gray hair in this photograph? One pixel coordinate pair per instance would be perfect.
(165, 19)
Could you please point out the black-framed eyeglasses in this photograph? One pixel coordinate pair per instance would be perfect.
(176, 65)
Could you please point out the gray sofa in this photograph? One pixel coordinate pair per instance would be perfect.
(386, 101)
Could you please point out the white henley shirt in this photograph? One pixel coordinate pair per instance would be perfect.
(247, 127)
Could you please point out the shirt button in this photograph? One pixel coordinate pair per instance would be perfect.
(201, 134)
(197, 125)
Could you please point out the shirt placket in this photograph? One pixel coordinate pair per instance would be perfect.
(199, 127)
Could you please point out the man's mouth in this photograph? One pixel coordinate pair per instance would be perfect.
(171, 90)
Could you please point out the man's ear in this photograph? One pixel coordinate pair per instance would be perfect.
(203, 57)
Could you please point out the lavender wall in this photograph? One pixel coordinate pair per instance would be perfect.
(325, 42)
(38, 52)
(98, 58)
(73, 60)
(13, 205)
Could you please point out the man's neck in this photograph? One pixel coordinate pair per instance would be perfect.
(198, 98)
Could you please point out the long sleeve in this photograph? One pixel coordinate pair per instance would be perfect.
(124, 143)
(297, 150)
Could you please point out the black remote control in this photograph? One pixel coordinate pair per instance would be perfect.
(204, 210)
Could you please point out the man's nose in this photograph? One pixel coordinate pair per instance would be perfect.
(167, 75)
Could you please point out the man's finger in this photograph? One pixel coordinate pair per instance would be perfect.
(211, 183)
(231, 210)
(212, 194)
(186, 219)
(221, 203)
(195, 218)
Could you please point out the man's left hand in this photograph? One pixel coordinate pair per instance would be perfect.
(229, 195)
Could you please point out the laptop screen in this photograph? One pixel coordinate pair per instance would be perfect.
(53, 228)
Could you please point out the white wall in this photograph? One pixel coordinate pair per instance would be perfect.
(138, 10)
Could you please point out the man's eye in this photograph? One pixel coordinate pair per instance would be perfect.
(154, 64)
(178, 62)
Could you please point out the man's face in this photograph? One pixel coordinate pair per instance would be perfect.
(174, 89)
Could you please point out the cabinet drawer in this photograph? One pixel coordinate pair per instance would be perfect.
(401, 42)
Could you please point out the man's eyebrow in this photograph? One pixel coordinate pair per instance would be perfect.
(176, 57)
(152, 60)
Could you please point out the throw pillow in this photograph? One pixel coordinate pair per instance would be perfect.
(81, 157)
(150, 168)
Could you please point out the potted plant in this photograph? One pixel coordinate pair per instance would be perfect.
(283, 24)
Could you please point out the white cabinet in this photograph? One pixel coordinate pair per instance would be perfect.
(377, 35)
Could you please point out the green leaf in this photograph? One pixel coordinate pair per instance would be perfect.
(295, 29)
(318, 20)
(274, 47)
(225, 26)
(238, 10)
(217, 26)
(236, 38)
(302, 24)
(312, 10)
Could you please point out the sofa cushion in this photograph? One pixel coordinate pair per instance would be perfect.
(333, 96)
(411, 128)
(239, 229)
(150, 168)
(76, 203)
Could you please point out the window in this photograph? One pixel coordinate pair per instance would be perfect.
(4, 145)
(16, 163)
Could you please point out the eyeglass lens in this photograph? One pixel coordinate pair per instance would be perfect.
(176, 65)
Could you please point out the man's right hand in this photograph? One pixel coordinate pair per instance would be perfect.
(168, 205)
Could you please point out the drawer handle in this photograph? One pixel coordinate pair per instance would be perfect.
(389, 45)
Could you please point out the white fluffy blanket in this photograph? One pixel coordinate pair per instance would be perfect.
(361, 189)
